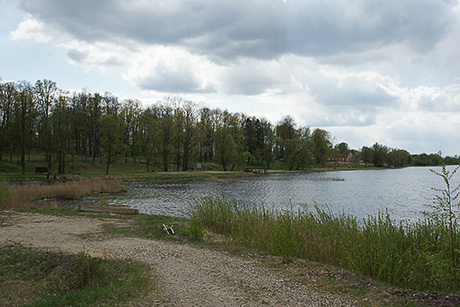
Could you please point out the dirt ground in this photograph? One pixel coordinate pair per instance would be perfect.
(187, 275)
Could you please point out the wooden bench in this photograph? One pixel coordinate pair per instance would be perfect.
(41, 169)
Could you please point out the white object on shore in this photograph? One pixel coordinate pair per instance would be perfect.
(169, 229)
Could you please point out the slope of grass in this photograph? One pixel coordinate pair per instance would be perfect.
(39, 278)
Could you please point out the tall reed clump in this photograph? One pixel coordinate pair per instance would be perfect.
(414, 256)
(5, 195)
(23, 196)
(446, 215)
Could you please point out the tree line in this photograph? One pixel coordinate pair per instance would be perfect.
(171, 133)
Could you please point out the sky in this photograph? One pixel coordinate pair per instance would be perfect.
(367, 71)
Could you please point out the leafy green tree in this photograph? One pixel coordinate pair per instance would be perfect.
(366, 155)
(112, 144)
(189, 132)
(130, 114)
(24, 113)
(165, 133)
(81, 119)
(45, 94)
(342, 148)
(322, 145)
(269, 142)
(426, 160)
(285, 130)
(379, 155)
(234, 125)
(226, 148)
(398, 157)
(93, 116)
(300, 153)
(147, 137)
(110, 104)
(62, 127)
(207, 126)
(7, 100)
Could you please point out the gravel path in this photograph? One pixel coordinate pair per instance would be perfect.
(189, 276)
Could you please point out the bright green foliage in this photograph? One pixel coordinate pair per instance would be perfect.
(379, 154)
(398, 157)
(415, 256)
(366, 155)
(445, 214)
(342, 148)
(322, 142)
(226, 152)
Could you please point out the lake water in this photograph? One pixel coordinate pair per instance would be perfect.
(403, 192)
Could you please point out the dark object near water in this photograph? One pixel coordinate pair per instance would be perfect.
(256, 170)
(109, 209)
(41, 169)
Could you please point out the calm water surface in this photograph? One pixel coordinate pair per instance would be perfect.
(360, 193)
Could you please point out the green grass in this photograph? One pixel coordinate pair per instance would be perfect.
(151, 227)
(410, 256)
(11, 171)
(39, 278)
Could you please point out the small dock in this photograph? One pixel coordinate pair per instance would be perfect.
(256, 170)
(109, 209)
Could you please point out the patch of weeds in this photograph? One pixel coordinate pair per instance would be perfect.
(40, 278)
(196, 228)
(150, 227)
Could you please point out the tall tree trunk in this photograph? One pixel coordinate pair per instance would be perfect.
(109, 156)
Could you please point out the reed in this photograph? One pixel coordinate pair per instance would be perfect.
(23, 196)
(407, 255)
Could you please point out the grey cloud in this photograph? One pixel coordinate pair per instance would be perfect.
(344, 117)
(182, 80)
(261, 29)
(76, 55)
(84, 58)
(247, 80)
(354, 91)
(355, 97)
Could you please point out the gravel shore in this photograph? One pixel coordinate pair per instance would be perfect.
(187, 275)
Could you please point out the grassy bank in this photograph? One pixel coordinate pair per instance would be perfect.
(11, 171)
(30, 277)
(24, 196)
(409, 256)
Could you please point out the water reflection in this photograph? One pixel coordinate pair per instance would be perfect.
(360, 193)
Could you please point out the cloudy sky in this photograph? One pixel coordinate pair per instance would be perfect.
(366, 70)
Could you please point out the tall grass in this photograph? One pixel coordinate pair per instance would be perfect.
(414, 256)
(23, 196)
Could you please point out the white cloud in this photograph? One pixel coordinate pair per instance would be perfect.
(170, 70)
(31, 29)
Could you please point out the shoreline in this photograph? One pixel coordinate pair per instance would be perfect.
(209, 272)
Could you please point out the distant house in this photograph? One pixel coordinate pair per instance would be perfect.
(348, 158)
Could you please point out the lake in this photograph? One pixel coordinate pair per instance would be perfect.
(403, 192)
